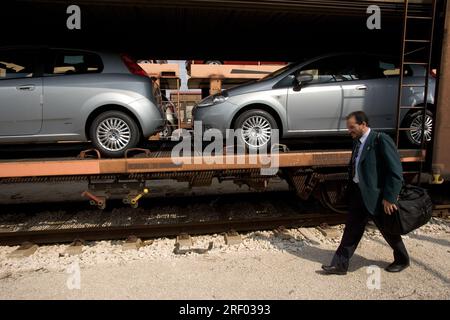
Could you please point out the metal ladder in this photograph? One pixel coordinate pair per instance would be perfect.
(409, 18)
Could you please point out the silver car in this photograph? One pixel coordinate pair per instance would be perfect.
(51, 94)
(312, 98)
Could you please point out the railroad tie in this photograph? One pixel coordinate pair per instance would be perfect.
(232, 238)
(26, 249)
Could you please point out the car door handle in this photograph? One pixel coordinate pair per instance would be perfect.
(28, 87)
(363, 87)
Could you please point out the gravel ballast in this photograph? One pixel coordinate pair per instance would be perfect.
(264, 265)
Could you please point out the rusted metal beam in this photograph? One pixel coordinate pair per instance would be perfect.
(215, 86)
(158, 70)
(230, 71)
(202, 75)
(177, 164)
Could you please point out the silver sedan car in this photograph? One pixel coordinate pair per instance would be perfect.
(312, 98)
(52, 94)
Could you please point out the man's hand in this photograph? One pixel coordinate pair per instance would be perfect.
(389, 208)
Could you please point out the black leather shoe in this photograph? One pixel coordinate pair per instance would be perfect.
(334, 270)
(396, 267)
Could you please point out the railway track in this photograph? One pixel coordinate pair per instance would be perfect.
(57, 235)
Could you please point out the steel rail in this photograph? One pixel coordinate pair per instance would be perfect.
(166, 230)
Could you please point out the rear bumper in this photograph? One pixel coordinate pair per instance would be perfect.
(151, 118)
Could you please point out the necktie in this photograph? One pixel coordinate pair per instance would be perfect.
(354, 155)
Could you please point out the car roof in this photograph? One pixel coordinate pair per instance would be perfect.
(345, 53)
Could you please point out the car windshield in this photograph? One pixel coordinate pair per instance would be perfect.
(276, 73)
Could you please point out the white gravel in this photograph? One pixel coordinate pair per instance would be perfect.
(279, 263)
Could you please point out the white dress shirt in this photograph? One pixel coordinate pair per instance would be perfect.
(361, 148)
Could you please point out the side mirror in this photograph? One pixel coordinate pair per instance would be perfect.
(304, 78)
(301, 79)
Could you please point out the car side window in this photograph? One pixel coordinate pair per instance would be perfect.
(16, 64)
(391, 68)
(368, 68)
(322, 71)
(72, 62)
(356, 67)
(332, 69)
(347, 73)
(345, 69)
(341, 68)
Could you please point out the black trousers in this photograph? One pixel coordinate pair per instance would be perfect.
(354, 230)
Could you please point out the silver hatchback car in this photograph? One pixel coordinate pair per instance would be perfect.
(312, 98)
(52, 94)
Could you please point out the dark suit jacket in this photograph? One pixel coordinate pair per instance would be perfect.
(380, 171)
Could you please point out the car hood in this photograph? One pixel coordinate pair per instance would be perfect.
(252, 86)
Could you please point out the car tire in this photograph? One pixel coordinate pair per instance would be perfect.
(113, 132)
(263, 122)
(214, 62)
(166, 132)
(413, 119)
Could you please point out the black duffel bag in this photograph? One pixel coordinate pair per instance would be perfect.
(414, 210)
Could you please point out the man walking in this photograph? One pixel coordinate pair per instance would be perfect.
(375, 181)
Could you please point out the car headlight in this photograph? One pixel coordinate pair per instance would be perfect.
(212, 100)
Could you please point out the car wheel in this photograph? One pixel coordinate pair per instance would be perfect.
(166, 132)
(214, 62)
(256, 129)
(414, 121)
(113, 132)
